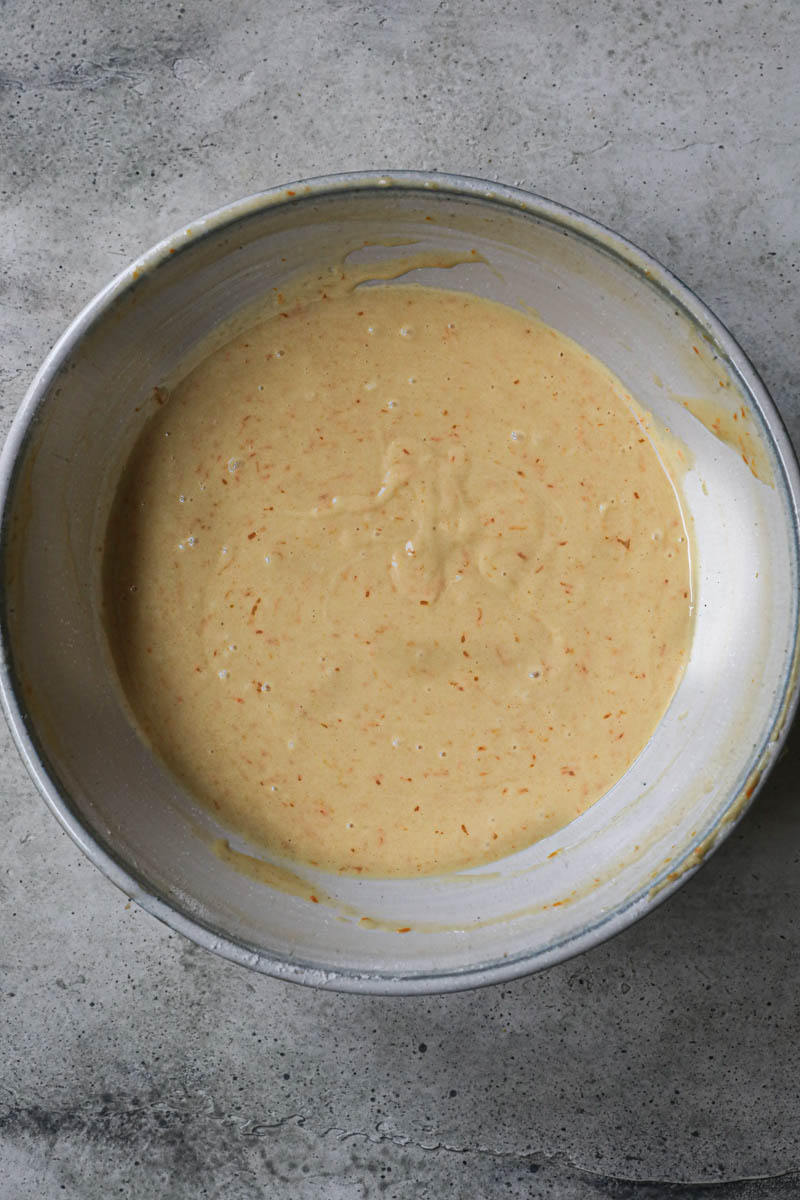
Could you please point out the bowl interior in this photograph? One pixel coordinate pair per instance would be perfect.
(589, 879)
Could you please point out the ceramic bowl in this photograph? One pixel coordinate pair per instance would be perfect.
(683, 794)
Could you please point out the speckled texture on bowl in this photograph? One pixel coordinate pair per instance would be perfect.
(679, 799)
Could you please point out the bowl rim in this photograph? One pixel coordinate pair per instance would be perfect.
(386, 982)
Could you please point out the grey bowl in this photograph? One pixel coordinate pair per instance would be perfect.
(135, 821)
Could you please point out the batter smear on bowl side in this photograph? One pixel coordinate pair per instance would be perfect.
(397, 583)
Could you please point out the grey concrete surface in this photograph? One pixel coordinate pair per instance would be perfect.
(664, 1064)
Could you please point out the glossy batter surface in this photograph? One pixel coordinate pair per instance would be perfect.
(397, 582)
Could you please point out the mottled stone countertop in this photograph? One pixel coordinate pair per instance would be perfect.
(663, 1064)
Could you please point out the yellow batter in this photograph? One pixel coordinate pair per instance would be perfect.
(397, 582)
